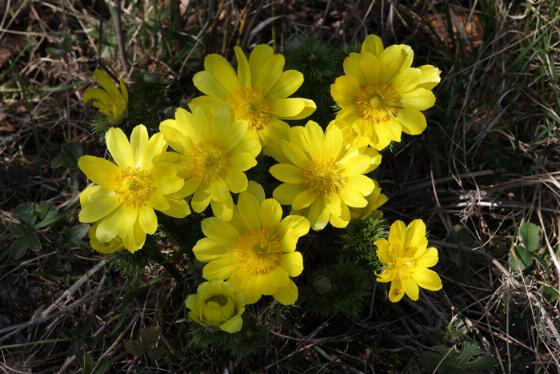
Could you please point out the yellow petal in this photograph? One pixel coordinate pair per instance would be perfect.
(294, 154)
(427, 279)
(416, 235)
(120, 222)
(209, 85)
(410, 288)
(270, 213)
(387, 132)
(100, 204)
(353, 198)
(268, 74)
(341, 220)
(249, 208)
(286, 193)
(428, 259)
(397, 237)
(344, 90)
(287, 85)
(287, 108)
(243, 69)
(419, 99)
(166, 180)
(97, 94)
(155, 147)
(257, 190)
(207, 250)
(333, 202)
(236, 181)
(147, 219)
(138, 143)
(396, 292)
(430, 76)
(372, 44)
(108, 85)
(371, 68)
(220, 231)
(259, 57)
(392, 59)
(383, 252)
(318, 215)
(178, 208)
(119, 147)
(412, 121)
(362, 184)
(200, 200)
(223, 209)
(352, 67)
(99, 171)
(304, 199)
(287, 295)
(242, 161)
(287, 173)
(293, 263)
(124, 91)
(293, 226)
(158, 201)
(406, 80)
(308, 109)
(233, 325)
(220, 268)
(221, 69)
(135, 241)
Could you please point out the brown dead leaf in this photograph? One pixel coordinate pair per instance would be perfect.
(468, 28)
(183, 6)
(7, 127)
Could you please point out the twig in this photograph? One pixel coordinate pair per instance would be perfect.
(119, 34)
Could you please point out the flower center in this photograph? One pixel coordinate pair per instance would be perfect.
(258, 252)
(377, 103)
(403, 266)
(135, 187)
(251, 105)
(208, 162)
(324, 177)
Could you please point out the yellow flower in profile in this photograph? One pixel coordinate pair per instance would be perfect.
(257, 93)
(256, 250)
(111, 101)
(406, 258)
(215, 304)
(124, 195)
(322, 176)
(375, 199)
(115, 245)
(380, 95)
(213, 152)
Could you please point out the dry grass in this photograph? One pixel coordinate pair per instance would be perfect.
(488, 162)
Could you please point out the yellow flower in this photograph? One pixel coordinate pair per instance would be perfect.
(381, 95)
(375, 200)
(256, 250)
(124, 195)
(257, 93)
(215, 304)
(406, 259)
(114, 245)
(322, 177)
(213, 154)
(110, 101)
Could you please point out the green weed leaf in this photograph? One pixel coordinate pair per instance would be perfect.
(530, 234)
(469, 358)
(520, 258)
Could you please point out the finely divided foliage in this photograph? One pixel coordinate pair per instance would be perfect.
(202, 156)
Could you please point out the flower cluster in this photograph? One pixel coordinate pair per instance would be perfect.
(200, 158)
